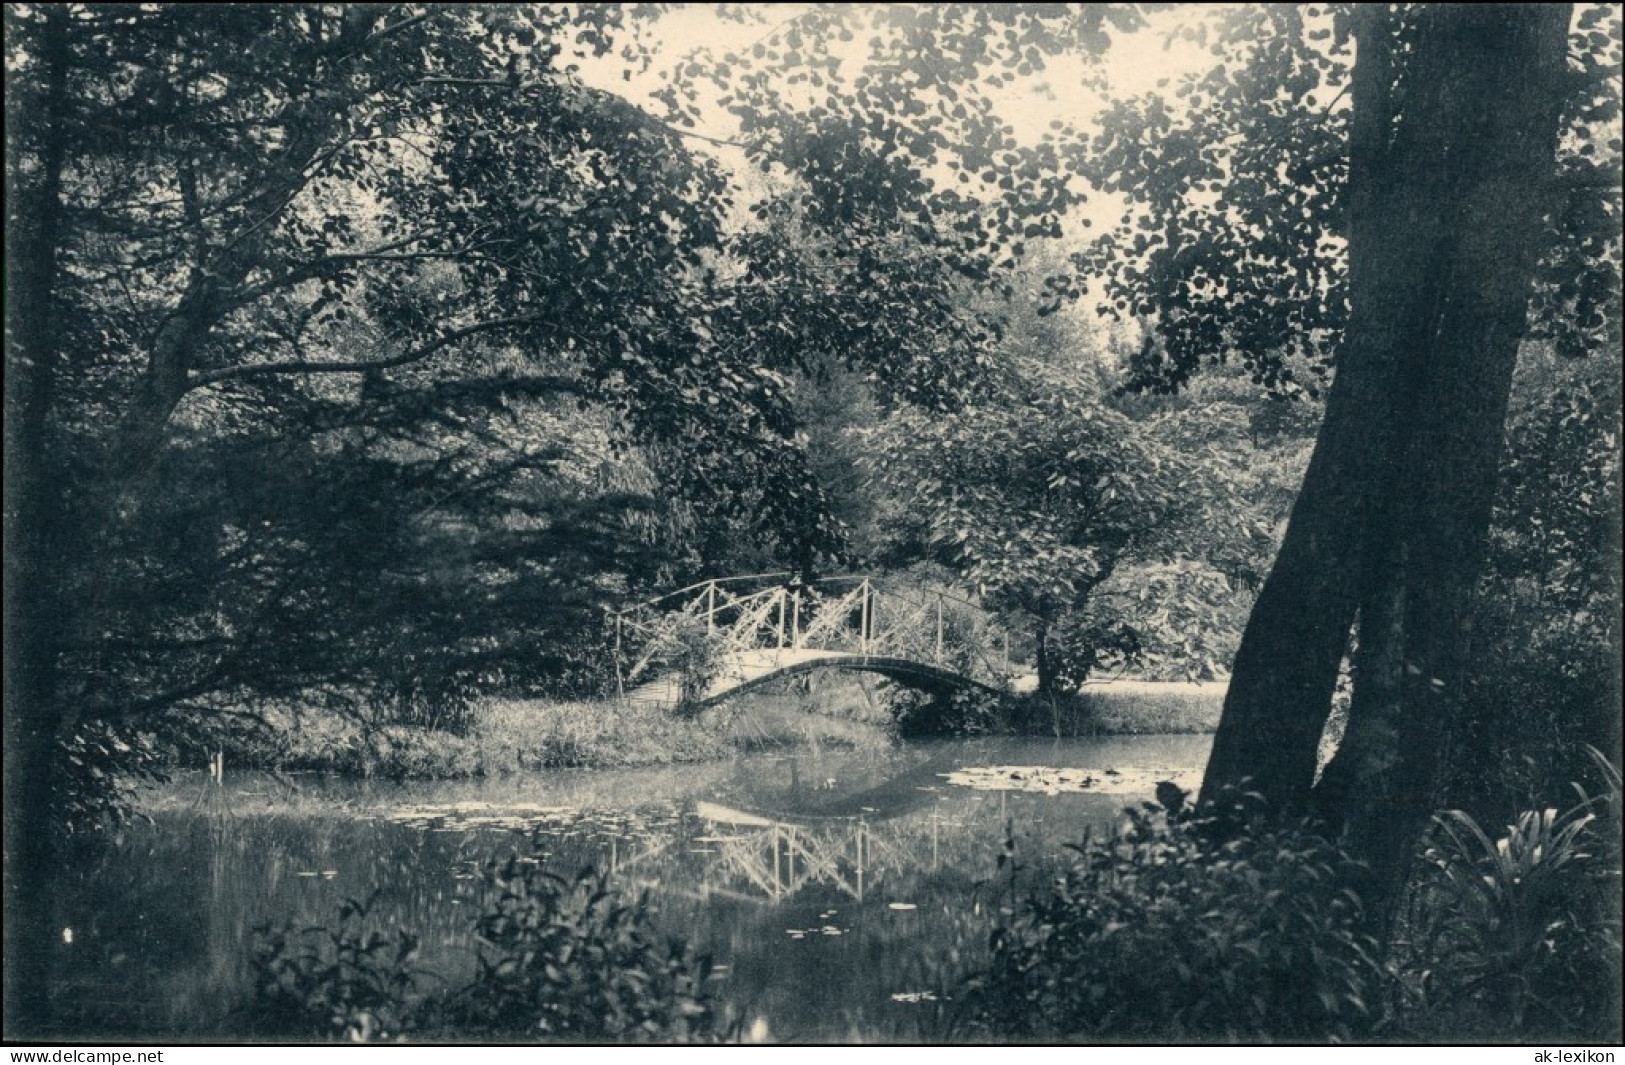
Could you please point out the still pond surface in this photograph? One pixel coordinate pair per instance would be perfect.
(834, 888)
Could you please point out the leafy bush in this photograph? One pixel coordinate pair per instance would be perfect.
(349, 982)
(698, 659)
(692, 650)
(1547, 623)
(1161, 931)
(98, 767)
(1083, 644)
(574, 960)
(567, 960)
(958, 712)
(1521, 933)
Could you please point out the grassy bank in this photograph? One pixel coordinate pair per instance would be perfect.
(1141, 708)
(513, 735)
(502, 736)
(1107, 708)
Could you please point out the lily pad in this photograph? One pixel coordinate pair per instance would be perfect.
(1054, 780)
(473, 814)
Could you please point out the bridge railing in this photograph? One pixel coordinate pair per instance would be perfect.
(740, 618)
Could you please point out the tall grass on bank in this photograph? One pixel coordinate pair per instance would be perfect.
(1144, 708)
(1108, 708)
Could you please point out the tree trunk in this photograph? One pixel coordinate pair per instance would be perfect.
(1042, 661)
(1445, 216)
(1286, 667)
(1499, 104)
(1045, 661)
(35, 521)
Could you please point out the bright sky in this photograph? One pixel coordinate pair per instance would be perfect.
(1135, 63)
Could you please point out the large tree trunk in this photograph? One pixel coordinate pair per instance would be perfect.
(35, 523)
(1499, 102)
(1286, 667)
(1446, 216)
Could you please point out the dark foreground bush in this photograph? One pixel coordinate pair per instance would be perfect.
(347, 982)
(1516, 934)
(1156, 932)
(577, 960)
(563, 960)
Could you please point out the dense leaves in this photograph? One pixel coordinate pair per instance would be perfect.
(1038, 498)
(1155, 932)
(574, 959)
(1548, 684)
(564, 959)
(317, 316)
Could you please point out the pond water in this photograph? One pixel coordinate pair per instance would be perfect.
(835, 888)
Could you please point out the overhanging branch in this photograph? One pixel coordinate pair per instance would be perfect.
(422, 351)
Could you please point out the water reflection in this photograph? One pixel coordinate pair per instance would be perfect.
(832, 889)
(756, 858)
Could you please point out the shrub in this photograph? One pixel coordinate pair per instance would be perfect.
(1521, 932)
(97, 771)
(564, 960)
(1160, 931)
(348, 983)
(958, 712)
(1547, 621)
(573, 959)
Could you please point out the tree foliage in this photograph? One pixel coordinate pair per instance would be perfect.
(316, 317)
(1038, 498)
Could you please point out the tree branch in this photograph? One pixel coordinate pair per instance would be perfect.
(314, 268)
(397, 27)
(422, 351)
(486, 83)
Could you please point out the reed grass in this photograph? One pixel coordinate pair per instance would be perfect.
(1142, 708)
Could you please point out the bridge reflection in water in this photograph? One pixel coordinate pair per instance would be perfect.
(751, 858)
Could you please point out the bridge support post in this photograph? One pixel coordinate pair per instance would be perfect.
(620, 680)
(711, 606)
(795, 618)
(863, 622)
(781, 619)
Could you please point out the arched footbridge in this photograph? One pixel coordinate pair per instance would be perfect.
(702, 644)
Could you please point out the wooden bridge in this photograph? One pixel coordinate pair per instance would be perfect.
(712, 640)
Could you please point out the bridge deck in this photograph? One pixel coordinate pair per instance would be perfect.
(748, 669)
